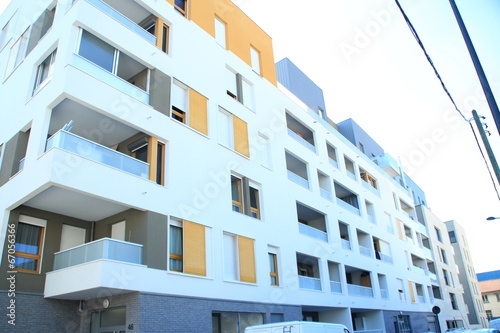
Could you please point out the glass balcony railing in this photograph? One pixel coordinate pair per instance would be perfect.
(336, 287)
(313, 232)
(75, 144)
(325, 194)
(298, 179)
(355, 290)
(366, 251)
(311, 283)
(109, 78)
(345, 244)
(301, 140)
(384, 293)
(333, 162)
(347, 206)
(105, 248)
(104, 7)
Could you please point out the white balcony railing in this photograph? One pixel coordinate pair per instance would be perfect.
(105, 248)
(301, 140)
(366, 251)
(369, 187)
(75, 144)
(421, 299)
(385, 257)
(336, 287)
(351, 174)
(372, 219)
(345, 244)
(298, 179)
(347, 206)
(355, 290)
(418, 269)
(333, 162)
(311, 283)
(325, 194)
(110, 11)
(313, 232)
(384, 293)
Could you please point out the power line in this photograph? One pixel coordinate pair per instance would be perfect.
(419, 41)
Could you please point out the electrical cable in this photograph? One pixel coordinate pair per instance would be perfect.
(419, 41)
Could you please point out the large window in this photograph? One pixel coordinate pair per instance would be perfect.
(110, 320)
(234, 322)
(245, 197)
(29, 244)
(17, 52)
(189, 107)
(239, 258)
(181, 6)
(220, 32)
(187, 247)
(232, 132)
(240, 89)
(44, 71)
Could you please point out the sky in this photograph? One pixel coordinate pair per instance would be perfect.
(364, 57)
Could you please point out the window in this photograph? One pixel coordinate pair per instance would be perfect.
(151, 151)
(232, 132)
(40, 28)
(235, 322)
(489, 314)
(164, 38)
(160, 30)
(4, 34)
(17, 52)
(453, 301)
(438, 234)
(239, 258)
(367, 178)
(187, 247)
(485, 299)
(238, 88)
(255, 60)
(245, 196)
(29, 244)
(189, 107)
(44, 71)
(181, 7)
(220, 32)
(264, 151)
(273, 266)
(497, 295)
(445, 276)
(443, 256)
(109, 320)
(453, 238)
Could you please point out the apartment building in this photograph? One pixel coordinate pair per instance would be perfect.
(468, 277)
(489, 285)
(158, 174)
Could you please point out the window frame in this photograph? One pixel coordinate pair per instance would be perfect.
(244, 187)
(42, 224)
(176, 112)
(219, 23)
(43, 68)
(182, 11)
(273, 257)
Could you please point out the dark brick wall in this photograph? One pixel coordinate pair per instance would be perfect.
(34, 314)
(418, 321)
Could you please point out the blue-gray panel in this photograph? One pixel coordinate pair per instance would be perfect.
(300, 84)
(354, 133)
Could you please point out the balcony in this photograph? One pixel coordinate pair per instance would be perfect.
(355, 290)
(298, 179)
(109, 78)
(345, 244)
(347, 206)
(310, 283)
(336, 287)
(82, 147)
(388, 164)
(384, 257)
(133, 10)
(325, 194)
(313, 232)
(297, 137)
(105, 248)
(85, 271)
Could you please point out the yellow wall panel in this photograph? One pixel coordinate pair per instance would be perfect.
(152, 156)
(194, 256)
(412, 292)
(400, 228)
(241, 136)
(198, 112)
(246, 259)
(241, 32)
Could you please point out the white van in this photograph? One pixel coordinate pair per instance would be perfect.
(495, 323)
(298, 327)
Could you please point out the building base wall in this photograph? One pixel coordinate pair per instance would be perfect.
(420, 322)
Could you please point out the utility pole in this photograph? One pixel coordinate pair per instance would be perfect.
(486, 143)
(479, 69)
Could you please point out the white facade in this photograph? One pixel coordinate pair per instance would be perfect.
(326, 262)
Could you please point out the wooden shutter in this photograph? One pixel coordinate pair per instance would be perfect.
(152, 155)
(240, 136)
(194, 255)
(246, 259)
(412, 292)
(198, 117)
(400, 230)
